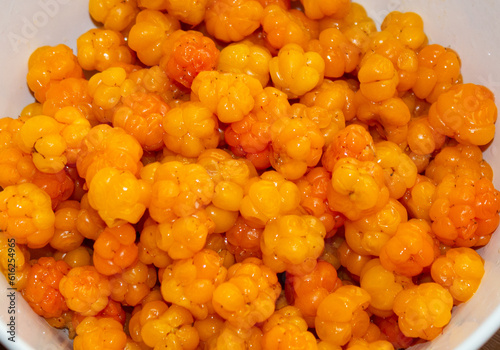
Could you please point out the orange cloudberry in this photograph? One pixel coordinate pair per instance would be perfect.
(297, 144)
(230, 20)
(296, 71)
(361, 344)
(178, 189)
(357, 188)
(42, 287)
(383, 286)
(404, 59)
(85, 290)
(49, 64)
(26, 215)
(312, 187)
(74, 128)
(99, 49)
(80, 256)
(88, 222)
(378, 78)
(438, 70)
(185, 236)
(69, 92)
(149, 253)
(190, 129)
(15, 263)
(341, 315)
(269, 196)
(352, 261)
(147, 35)
(306, 292)
(133, 284)
(235, 337)
(407, 27)
(105, 146)
(249, 294)
(339, 54)
(186, 54)
(418, 199)
(250, 137)
(368, 234)
(41, 136)
(292, 243)
(353, 141)
(399, 170)
(334, 96)
(244, 240)
(230, 96)
(283, 27)
(118, 196)
(191, 282)
(410, 249)
(104, 333)
(466, 112)
(115, 14)
(460, 160)
(423, 138)
(246, 57)
(157, 324)
(66, 235)
(389, 117)
(286, 329)
(190, 12)
(115, 249)
(465, 210)
(460, 271)
(423, 310)
(315, 9)
(356, 25)
(141, 115)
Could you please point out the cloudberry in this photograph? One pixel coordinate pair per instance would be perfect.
(423, 310)
(383, 286)
(26, 215)
(99, 49)
(42, 287)
(186, 54)
(466, 112)
(249, 294)
(49, 64)
(115, 249)
(368, 234)
(357, 188)
(341, 315)
(228, 95)
(286, 329)
(148, 34)
(230, 20)
(246, 57)
(85, 290)
(113, 14)
(105, 333)
(118, 196)
(296, 71)
(306, 292)
(190, 129)
(410, 250)
(292, 243)
(267, 197)
(191, 282)
(133, 284)
(438, 70)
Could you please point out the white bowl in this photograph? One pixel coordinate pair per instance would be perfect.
(470, 27)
